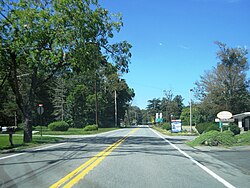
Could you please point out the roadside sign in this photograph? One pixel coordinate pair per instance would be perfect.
(217, 120)
(176, 126)
(158, 118)
(40, 109)
(224, 115)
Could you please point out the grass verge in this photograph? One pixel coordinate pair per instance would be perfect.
(169, 133)
(73, 131)
(19, 144)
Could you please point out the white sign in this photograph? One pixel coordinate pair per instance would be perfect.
(176, 126)
(224, 115)
(217, 120)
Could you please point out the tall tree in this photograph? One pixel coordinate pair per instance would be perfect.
(153, 107)
(226, 86)
(41, 39)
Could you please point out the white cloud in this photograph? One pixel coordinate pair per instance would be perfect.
(183, 47)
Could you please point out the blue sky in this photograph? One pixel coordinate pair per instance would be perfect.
(173, 41)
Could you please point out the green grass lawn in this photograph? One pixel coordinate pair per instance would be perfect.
(72, 131)
(18, 141)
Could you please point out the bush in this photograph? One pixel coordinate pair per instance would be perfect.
(166, 126)
(214, 138)
(58, 126)
(243, 138)
(91, 128)
(212, 127)
(206, 127)
(232, 127)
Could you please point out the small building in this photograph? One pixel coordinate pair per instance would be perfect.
(243, 121)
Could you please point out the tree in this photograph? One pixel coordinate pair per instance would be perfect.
(225, 87)
(59, 99)
(153, 107)
(172, 105)
(44, 39)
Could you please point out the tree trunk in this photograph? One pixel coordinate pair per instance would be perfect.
(25, 107)
(27, 136)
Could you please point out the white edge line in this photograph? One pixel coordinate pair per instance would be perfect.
(207, 170)
(51, 146)
(6, 157)
(18, 154)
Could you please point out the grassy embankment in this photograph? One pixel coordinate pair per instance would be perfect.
(226, 138)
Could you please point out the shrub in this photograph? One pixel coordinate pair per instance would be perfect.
(232, 127)
(243, 138)
(206, 127)
(214, 138)
(91, 128)
(166, 126)
(212, 127)
(58, 126)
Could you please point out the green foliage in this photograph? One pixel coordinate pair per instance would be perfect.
(45, 40)
(212, 127)
(90, 128)
(214, 138)
(169, 105)
(232, 127)
(205, 127)
(58, 126)
(244, 138)
(166, 126)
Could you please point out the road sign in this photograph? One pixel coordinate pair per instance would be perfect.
(176, 126)
(40, 109)
(224, 115)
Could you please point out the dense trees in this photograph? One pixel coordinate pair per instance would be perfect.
(169, 105)
(44, 40)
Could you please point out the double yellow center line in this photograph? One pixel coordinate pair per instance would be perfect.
(79, 173)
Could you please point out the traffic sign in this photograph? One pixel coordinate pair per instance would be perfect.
(40, 109)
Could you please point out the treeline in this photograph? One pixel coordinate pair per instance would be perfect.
(58, 53)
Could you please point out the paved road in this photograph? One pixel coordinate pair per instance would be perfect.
(124, 158)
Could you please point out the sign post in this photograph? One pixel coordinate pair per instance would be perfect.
(40, 111)
(223, 116)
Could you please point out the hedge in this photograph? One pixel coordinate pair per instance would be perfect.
(58, 126)
(206, 127)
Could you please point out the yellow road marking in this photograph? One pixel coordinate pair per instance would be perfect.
(80, 172)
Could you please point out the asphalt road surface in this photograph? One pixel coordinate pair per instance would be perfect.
(135, 157)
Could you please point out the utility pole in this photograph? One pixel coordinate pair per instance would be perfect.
(190, 109)
(96, 105)
(115, 109)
